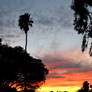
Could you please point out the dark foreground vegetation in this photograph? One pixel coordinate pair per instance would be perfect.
(18, 69)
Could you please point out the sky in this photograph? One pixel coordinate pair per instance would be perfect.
(52, 39)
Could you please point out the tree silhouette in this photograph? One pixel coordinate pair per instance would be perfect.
(24, 22)
(83, 21)
(18, 67)
(85, 87)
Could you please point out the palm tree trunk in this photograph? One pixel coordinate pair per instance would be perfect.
(26, 43)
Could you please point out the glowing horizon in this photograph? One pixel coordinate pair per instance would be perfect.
(61, 89)
(68, 74)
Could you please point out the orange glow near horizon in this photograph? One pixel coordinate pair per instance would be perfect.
(55, 89)
(72, 79)
(69, 78)
(68, 70)
(71, 82)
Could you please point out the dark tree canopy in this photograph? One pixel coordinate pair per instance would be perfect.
(18, 67)
(86, 87)
(25, 21)
(83, 21)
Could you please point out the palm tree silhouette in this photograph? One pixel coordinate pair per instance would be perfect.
(24, 22)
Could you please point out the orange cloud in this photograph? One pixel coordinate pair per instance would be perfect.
(70, 68)
(73, 79)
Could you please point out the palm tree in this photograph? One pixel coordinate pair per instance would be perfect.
(24, 22)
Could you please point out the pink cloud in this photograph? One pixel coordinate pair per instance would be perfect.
(68, 68)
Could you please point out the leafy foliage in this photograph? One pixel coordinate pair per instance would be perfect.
(24, 22)
(18, 67)
(83, 21)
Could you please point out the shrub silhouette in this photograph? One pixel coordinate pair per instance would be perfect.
(18, 67)
(85, 87)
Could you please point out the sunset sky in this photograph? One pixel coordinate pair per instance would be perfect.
(52, 39)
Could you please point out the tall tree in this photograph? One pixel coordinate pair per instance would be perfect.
(18, 67)
(24, 22)
(83, 21)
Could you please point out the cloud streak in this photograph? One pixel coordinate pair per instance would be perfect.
(70, 68)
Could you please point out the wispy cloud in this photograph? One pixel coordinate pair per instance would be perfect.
(70, 63)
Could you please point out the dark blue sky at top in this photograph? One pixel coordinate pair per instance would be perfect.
(46, 11)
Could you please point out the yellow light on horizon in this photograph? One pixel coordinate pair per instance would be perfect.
(55, 89)
(19, 89)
